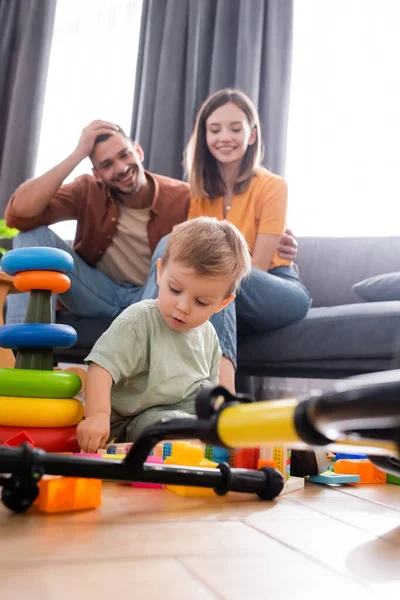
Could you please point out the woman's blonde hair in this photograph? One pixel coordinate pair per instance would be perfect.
(200, 165)
(212, 248)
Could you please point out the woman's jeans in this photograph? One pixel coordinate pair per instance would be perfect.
(265, 301)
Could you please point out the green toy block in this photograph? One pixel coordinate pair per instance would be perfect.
(392, 479)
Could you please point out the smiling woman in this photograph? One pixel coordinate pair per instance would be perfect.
(96, 69)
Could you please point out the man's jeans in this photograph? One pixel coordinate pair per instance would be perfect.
(266, 301)
(92, 293)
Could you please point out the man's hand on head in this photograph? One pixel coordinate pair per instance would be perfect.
(90, 133)
(288, 246)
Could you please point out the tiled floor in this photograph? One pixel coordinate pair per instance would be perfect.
(148, 544)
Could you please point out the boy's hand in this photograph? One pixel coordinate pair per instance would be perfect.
(93, 432)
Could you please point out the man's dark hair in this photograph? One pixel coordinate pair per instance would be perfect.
(105, 136)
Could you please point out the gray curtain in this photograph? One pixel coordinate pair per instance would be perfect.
(191, 48)
(26, 28)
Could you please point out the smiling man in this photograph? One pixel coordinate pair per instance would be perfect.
(122, 213)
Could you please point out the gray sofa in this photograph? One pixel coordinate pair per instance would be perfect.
(341, 335)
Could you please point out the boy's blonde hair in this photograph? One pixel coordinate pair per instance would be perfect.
(212, 248)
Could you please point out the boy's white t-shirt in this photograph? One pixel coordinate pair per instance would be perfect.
(152, 364)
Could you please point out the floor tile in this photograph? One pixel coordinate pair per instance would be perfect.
(152, 578)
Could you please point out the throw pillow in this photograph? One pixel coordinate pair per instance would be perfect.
(379, 288)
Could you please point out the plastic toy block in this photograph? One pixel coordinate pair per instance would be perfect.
(64, 494)
(282, 455)
(220, 455)
(266, 463)
(364, 468)
(190, 455)
(19, 439)
(139, 484)
(266, 453)
(245, 459)
(101, 451)
(118, 448)
(208, 452)
(292, 485)
(114, 456)
(167, 449)
(185, 453)
(342, 456)
(88, 454)
(332, 478)
(392, 479)
(158, 450)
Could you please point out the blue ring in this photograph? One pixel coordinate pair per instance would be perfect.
(37, 259)
(37, 335)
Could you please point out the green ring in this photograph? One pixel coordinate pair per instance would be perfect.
(29, 383)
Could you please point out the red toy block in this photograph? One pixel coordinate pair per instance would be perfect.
(245, 459)
(19, 439)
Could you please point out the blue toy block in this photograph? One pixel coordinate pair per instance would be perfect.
(111, 450)
(167, 450)
(220, 455)
(332, 478)
(341, 456)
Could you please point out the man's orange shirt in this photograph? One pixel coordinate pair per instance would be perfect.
(261, 209)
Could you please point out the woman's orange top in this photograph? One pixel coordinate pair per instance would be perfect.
(261, 209)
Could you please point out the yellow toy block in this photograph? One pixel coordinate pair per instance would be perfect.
(189, 455)
(64, 494)
(114, 456)
(282, 455)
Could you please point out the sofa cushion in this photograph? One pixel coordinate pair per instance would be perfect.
(380, 288)
(351, 332)
(329, 267)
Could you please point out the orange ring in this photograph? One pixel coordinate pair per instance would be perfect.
(57, 283)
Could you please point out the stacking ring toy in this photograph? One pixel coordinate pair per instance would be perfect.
(39, 412)
(50, 439)
(39, 384)
(37, 258)
(37, 335)
(57, 283)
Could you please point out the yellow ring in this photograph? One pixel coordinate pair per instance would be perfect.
(40, 412)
